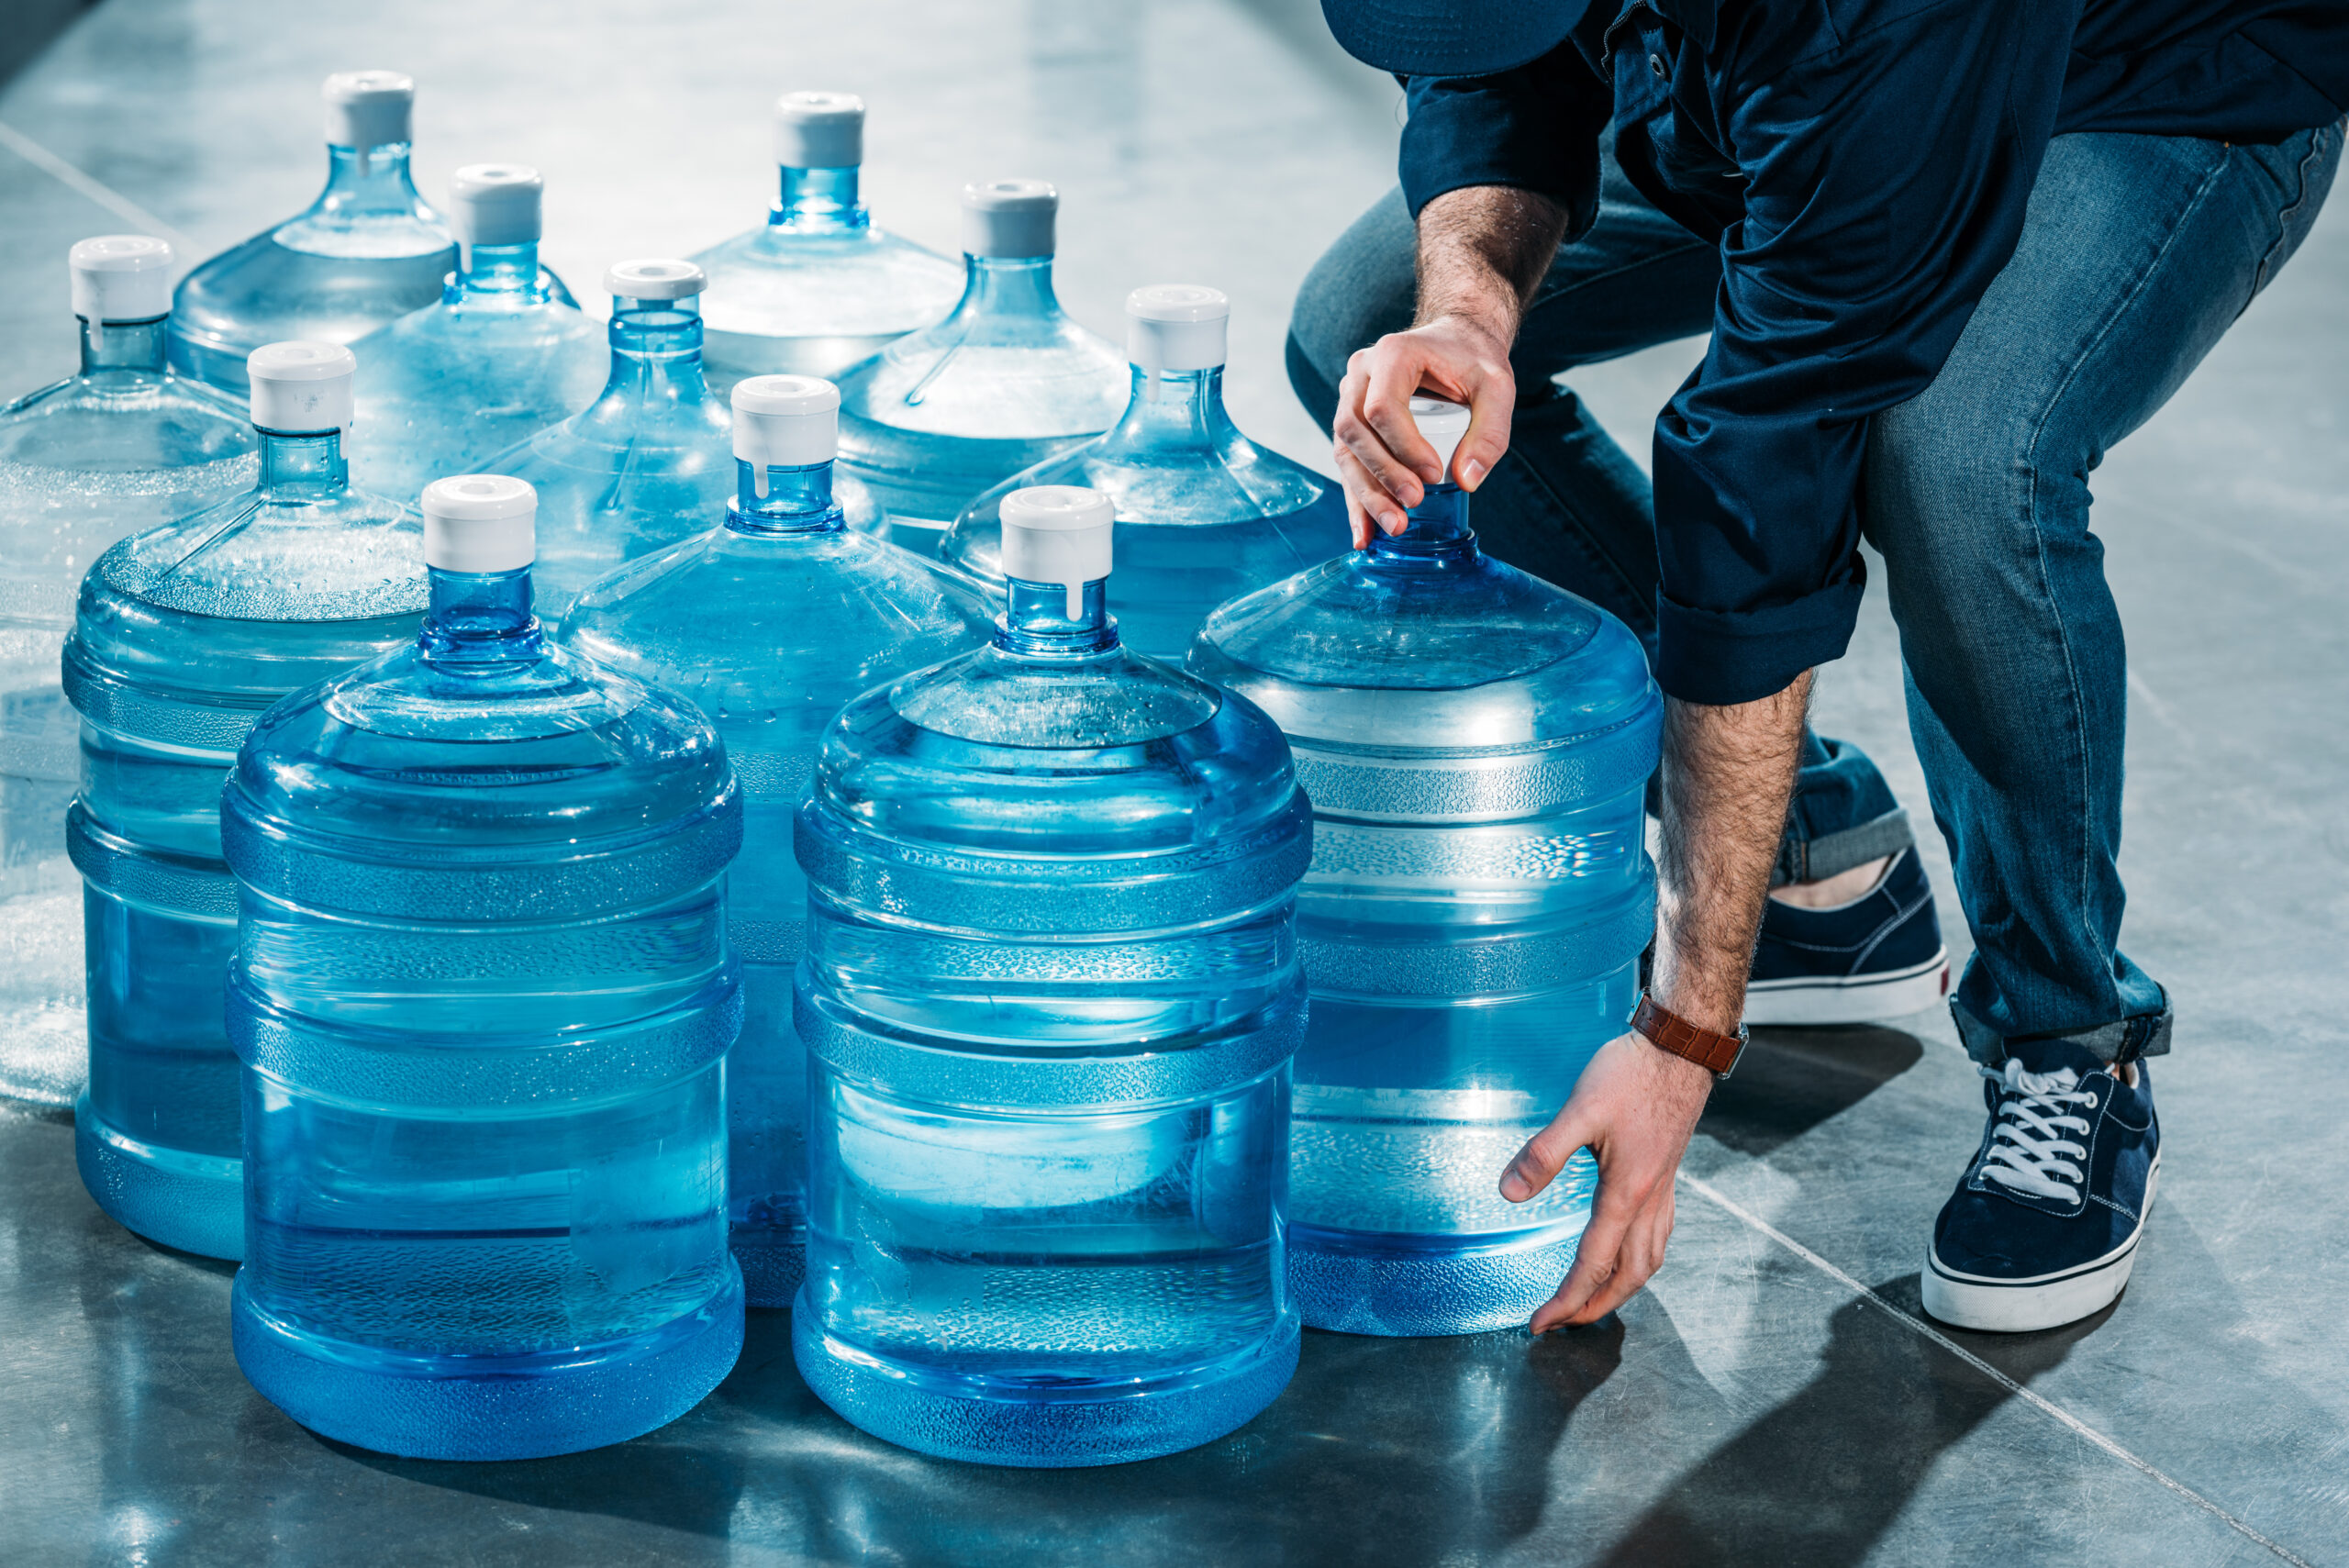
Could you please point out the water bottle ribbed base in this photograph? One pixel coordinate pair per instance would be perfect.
(193, 1202)
(1347, 1282)
(1068, 1428)
(773, 1265)
(497, 1407)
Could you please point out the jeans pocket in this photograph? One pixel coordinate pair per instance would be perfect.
(2315, 171)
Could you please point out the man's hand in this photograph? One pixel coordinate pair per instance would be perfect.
(1383, 460)
(1728, 773)
(1634, 1109)
(1482, 250)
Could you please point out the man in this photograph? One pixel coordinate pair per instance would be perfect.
(1949, 252)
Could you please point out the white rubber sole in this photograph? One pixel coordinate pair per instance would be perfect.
(2048, 1301)
(1860, 999)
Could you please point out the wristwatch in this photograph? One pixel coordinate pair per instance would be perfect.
(1667, 1031)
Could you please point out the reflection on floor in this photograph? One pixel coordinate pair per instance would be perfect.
(1772, 1399)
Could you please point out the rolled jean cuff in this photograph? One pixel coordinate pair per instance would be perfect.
(1830, 854)
(2126, 1041)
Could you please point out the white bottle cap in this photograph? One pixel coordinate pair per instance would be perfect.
(301, 388)
(819, 130)
(1442, 424)
(659, 278)
(1058, 533)
(121, 277)
(784, 421)
(1009, 218)
(1176, 327)
(496, 204)
(480, 522)
(368, 108)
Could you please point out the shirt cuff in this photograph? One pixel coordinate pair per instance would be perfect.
(1536, 128)
(1721, 657)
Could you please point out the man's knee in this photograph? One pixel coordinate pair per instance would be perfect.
(1363, 288)
(1953, 478)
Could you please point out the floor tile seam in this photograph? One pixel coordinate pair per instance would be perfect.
(80, 181)
(2037, 1401)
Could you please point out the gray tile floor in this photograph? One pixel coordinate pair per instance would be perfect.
(1774, 1397)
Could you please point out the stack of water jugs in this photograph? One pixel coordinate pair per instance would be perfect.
(643, 884)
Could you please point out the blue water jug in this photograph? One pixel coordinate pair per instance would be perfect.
(1204, 513)
(502, 354)
(1048, 1003)
(1476, 743)
(365, 254)
(817, 287)
(769, 622)
(483, 1002)
(122, 444)
(1006, 382)
(647, 461)
(183, 635)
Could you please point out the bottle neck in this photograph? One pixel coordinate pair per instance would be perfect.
(308, 466)
(480, 617)
(369, 178)
(656, 350)
(1173, 408)
(820, 201)
(1436, 530)
(496, 275)
(1007, 287)
(777, 500)
(123, 345)
(1036, 620)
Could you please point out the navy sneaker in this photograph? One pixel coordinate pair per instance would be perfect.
(1880, 956)
(2043, 1228)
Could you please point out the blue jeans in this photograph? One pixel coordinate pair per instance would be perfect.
(2138, 252)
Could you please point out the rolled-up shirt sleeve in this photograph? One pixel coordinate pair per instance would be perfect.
(1885, 181)
(1535, 127)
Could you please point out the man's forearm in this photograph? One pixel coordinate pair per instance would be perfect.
(1728, 774)
(1482, 250)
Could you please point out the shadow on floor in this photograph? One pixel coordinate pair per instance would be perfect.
(1408, 1452)
(1818, 1480)
(1790, 1080)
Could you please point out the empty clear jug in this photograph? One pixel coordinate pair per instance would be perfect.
(1204, 513)
(503, 354)
(1004, 382)
(365, 254)
(121, 445)
(817, 287)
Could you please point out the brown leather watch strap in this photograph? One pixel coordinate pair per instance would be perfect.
(1667, 1031)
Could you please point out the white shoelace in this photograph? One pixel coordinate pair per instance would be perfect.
(2029, 1148)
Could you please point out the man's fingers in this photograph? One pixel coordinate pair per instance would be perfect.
(1641, 1255)
(1490, 404)
(1388, 486)
(1597, 1261)
(1544, 1154)
(1398, 367)
(1366, 501)
(1356, 484)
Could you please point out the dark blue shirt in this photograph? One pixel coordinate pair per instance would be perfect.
(1864, 166)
